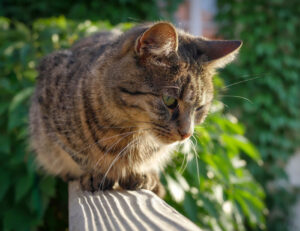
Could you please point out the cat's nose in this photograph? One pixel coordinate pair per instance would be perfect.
(185, 135)
(185, 130)
(185, 124)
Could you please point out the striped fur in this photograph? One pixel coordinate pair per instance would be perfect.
(97, 113)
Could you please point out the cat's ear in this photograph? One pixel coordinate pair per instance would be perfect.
(160, 39)
(220, 52)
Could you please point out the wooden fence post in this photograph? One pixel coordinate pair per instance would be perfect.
(122, 210)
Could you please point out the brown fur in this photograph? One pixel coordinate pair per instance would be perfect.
(97, 113)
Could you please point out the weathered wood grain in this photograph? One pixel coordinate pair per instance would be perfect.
(122, 210)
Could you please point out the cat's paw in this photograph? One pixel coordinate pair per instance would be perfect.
(132, 181)
(148, 181)
(95, 182)
(68, 177)
(153, 184)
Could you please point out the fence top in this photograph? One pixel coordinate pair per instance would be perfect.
(122, 210)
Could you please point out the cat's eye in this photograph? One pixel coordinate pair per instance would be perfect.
(200, 108)
(170, 101)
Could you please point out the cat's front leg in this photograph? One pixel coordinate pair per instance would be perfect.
(148, 181)
(96, 181)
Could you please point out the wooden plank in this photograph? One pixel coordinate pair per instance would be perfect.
(122, 210)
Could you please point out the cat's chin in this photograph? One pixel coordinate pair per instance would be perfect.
(168, 142)
(162, 141)
(171, 141)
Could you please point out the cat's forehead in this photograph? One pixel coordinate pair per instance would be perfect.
(189, 88)
(192, 81)
(189, 51)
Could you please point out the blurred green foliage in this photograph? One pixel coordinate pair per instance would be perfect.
(216, 190)
(115, 10)
(24, 194)
(269, 67)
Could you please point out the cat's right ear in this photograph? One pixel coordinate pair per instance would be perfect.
(160, 39)
(220, 52)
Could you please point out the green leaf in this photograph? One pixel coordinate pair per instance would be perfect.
(242, 143)
(35, 202)
(17, 219)
(22, 186)
(3, 107)
(20, 97)
(209, 206)
(5, 182)
(4, 144)
(47, 186)
(190, 206)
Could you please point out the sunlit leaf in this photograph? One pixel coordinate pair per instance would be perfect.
(19, 98)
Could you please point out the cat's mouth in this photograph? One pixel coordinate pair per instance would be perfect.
(168, 139)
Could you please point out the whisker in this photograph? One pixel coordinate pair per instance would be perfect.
(116, 159)
(196, 155)
(243, 81)
(161, 126)
(79, 153)
(174, 87)
(237, 96)
(103, 155)
(145, 122)
(161, 130)
(104, 139)
(225, 105)
(63, 123)
(183, 164)
(197, 133)
(185, 160)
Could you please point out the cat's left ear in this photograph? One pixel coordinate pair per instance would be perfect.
(220, 52)
(159, 39)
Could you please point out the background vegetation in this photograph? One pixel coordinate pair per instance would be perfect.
(114, 11)
(215, 188)
(269, 65)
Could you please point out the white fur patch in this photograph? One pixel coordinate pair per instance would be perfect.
(165, 49)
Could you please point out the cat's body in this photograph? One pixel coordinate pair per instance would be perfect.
(102, 110)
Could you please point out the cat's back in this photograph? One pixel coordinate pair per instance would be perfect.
(61, 72)
(57, 104)
(88, 49)
(82, 52)
(96, 40)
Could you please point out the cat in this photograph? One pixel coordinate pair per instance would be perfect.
(110, 110)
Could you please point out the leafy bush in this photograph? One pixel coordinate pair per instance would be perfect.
(115, 10)
(216, 190)
(270, 57)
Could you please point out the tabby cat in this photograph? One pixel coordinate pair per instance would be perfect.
(110, 110)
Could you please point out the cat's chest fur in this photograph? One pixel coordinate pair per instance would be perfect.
(140, 153)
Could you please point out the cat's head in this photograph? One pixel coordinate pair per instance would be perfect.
(160, 79)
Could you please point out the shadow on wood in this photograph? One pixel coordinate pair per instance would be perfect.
(122, 210)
